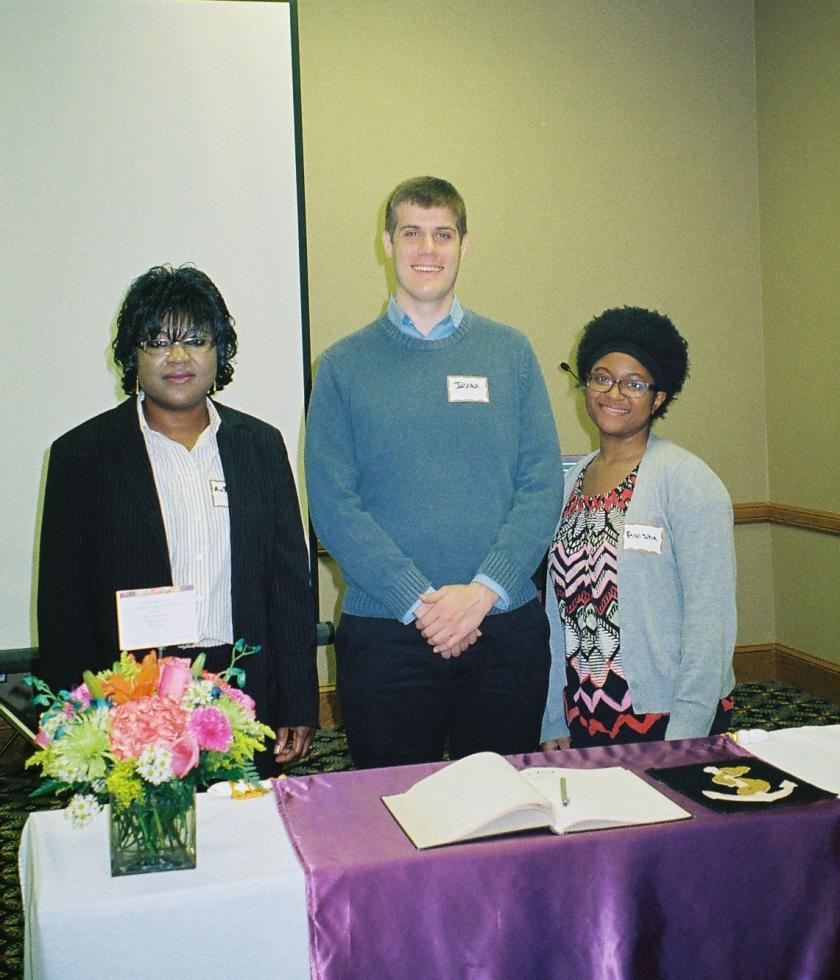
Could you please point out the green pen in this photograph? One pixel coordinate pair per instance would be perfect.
(564, 792)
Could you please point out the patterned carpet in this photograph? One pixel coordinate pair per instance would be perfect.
(769, 705)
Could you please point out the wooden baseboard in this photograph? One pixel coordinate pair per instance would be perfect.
(754, 664)
(819, 678)
(329, 709)
(778, 662)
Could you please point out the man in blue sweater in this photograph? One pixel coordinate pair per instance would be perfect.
(435, 481)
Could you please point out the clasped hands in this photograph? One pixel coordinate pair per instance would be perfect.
(449, 618)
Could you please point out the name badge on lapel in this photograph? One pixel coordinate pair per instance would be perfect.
(218, 493)
(467, 388)
(643, 537)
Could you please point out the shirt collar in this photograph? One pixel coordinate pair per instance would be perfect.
(145, 428)
(445, 328)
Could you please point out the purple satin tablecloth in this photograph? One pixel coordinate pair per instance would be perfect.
(753, 895)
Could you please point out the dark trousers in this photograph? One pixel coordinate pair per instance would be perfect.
(403, 703)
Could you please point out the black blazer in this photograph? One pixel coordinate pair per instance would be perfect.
(103, 530)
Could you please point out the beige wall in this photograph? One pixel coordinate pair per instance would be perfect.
(798, 98)
(607, 155)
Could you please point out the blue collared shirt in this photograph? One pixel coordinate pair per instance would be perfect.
(447, 326)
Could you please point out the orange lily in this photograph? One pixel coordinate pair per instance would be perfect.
(142, 685)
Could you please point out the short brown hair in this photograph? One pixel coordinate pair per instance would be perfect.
(428, 192)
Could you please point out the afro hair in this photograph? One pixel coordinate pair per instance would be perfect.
(648, 336)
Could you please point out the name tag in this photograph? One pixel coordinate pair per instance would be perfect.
(218, 493)
(466, 388)
(643, 537)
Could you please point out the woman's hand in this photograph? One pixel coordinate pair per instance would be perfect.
(293, 744)
(555, 744)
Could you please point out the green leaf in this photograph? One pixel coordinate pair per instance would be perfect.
(45, 696)
(47, 787)
(93, 685)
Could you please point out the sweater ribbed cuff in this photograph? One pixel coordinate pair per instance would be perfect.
(406, 591)
(501, 569)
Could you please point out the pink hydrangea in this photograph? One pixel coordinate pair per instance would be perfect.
(211, 728)
(147, 721)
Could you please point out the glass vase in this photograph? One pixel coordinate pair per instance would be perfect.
(157, 834)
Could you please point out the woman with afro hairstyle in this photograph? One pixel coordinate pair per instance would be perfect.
(640, 590)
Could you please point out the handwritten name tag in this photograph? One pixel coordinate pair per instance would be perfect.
(466, 388)
(643, 537)
(218, 493)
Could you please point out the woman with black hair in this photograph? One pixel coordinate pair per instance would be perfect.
(171, 488)
(640, 590)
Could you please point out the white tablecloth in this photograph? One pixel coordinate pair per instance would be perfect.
(240, 913)
(812, 753)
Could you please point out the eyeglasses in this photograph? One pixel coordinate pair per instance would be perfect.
(627, 386)
(198, 343)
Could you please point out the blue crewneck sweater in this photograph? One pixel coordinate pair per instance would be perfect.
(409, 490)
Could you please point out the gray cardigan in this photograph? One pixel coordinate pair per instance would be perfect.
(677, 607)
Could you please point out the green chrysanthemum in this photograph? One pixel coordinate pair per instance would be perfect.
(82, 753)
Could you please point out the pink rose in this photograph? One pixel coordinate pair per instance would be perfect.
(174, 677)
(147, 721)
(42, 739)
(184, 755)
(211, 728)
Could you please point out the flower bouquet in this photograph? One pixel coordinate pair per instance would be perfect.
(144, 736)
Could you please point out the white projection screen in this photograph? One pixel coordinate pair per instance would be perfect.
(135, 133)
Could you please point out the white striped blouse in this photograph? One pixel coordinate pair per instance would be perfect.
(191, 490)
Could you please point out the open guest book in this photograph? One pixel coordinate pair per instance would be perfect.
(483, 795)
